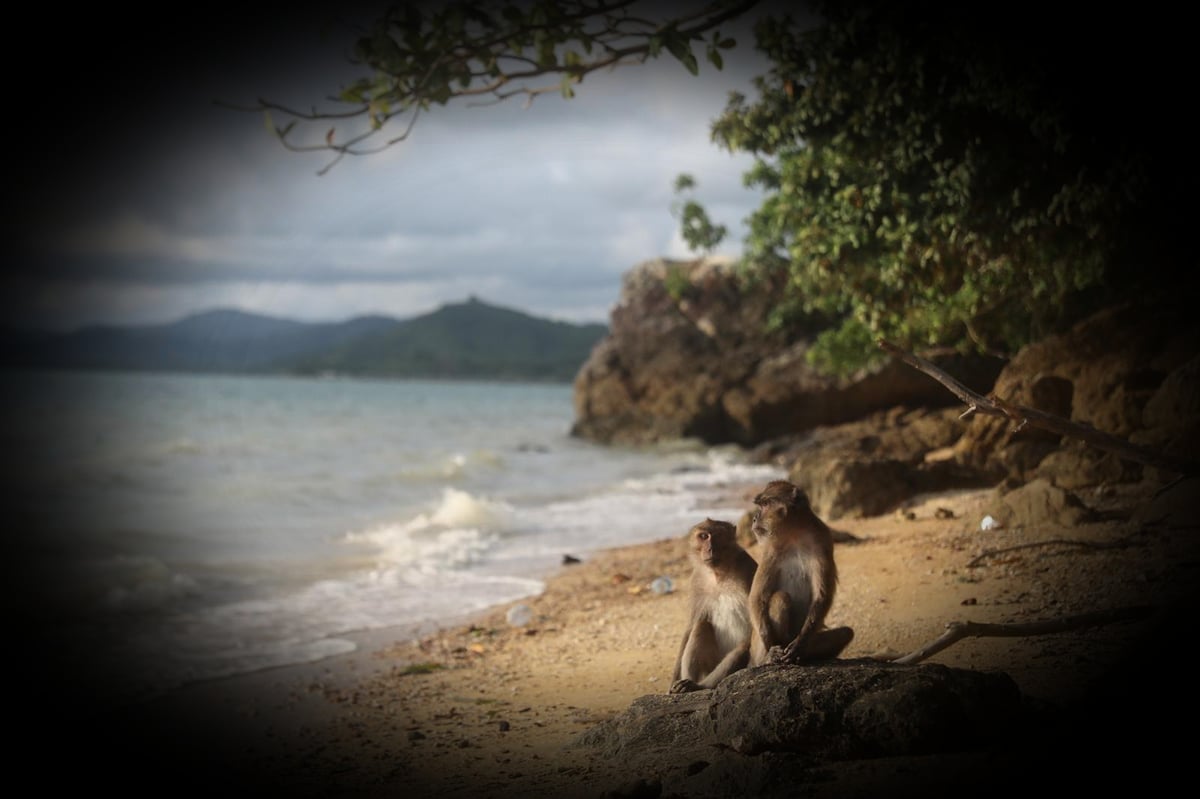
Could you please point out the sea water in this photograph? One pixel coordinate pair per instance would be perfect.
(172, 528)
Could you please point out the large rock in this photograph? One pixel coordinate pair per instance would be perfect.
(795, 717)
(688, 355)
(875, 464)
(1130, 371)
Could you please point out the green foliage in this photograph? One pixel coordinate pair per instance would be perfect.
(697, 229)
(677, 283)
(415, 60)
(934, 173)
(928, 180)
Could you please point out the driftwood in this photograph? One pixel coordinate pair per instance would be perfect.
(995, 406)
(958, 630)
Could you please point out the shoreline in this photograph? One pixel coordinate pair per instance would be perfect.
(496, 710)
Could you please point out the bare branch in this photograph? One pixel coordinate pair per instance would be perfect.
(995, 406)
(958, 630)
(490, 58)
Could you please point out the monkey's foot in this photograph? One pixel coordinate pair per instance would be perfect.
(822, 645)
(684, 686)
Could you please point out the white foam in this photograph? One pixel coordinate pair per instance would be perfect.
(453, 535)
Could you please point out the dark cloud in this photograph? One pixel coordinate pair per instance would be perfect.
(128, 154)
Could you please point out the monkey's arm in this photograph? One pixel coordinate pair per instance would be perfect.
(735, 659)
(683, 645)
(762, 628)
(823, 582)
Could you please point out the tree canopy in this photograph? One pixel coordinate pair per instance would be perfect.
(938, 175)
(935, 174)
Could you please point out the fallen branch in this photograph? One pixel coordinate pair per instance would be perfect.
(988, 553)
(958, 630)
(995, 406)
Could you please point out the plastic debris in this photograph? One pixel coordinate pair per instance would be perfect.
(989, 523)
(519, 615)
(662, 585)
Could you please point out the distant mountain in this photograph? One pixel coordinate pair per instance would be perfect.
(467, 340)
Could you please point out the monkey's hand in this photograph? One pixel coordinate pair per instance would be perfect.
(779, 654)
(684, 686)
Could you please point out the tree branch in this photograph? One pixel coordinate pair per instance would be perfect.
(488, 59)
(995, 406)
(958, 630)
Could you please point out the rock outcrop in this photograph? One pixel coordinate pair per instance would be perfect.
(1131, 371)
(688, 355)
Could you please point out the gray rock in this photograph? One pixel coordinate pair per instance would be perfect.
(765, 730)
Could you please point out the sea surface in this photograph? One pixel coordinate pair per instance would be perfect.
(173, 528)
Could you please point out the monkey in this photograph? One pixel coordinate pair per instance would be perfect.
(716, 642)
(795, 583)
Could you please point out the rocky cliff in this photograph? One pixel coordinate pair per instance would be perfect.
(688, 356)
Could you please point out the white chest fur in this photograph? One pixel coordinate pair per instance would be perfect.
(730, 621)
(796, 579)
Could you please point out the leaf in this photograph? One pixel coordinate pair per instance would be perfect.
(329, 136)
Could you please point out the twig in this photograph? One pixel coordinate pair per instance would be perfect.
(958, 630)
(978, 559)
(995, 406)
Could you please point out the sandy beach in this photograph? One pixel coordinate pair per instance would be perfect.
(483, 708)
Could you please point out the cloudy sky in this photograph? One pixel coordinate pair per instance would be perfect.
(140, 200)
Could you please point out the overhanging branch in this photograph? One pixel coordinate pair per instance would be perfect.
(992, 405)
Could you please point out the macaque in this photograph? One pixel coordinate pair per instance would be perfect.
(717, 640)
(795, 583)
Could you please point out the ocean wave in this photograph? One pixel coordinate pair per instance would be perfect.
(453, 535)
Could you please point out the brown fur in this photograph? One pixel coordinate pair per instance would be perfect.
(795, 583)
(717, 640)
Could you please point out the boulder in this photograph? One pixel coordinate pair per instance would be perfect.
(784, 718)
(1130, 370)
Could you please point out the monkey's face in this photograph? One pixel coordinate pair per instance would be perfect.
(768, 516)
(711, 538)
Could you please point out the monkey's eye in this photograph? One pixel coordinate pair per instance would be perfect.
(703, 536)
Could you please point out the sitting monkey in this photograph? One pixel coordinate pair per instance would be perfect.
(795, 582)
(717, 640)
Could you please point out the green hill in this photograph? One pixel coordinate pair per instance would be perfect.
(466, 340)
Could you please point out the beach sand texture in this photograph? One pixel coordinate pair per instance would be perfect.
(483, 708)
